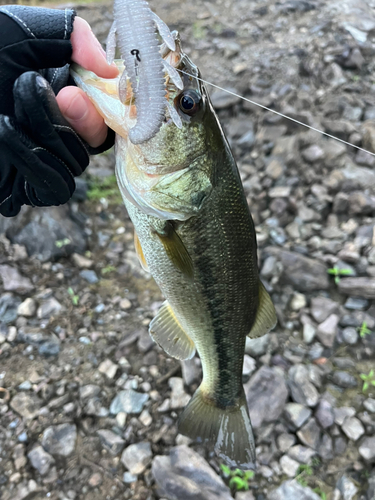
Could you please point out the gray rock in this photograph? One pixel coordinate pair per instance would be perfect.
(285, 441)
(344, 379)
(49, 348)
(313, 153)
(302, 454)
(128, 401)
(257, 347)
(27, 308)
(349, 335)
(25, 404)
(289, 466)
(137, 457)
(342, 413)
(324, 414)
(129, 478)
(8, 308)
(369, 404)
(353, 428)
(266, 394)
(179, 398)
(222, 100)
(292, 490)
(303, 391)
(364, 287)
(185, 475)
(108, 368)
(60, 439)
(90, 276)
(356, 304)
(296, 414)
(367, 448)
(111, 441)
(309, 434)
(322, 307)
(40, 460)
(49, 307)
(302, 273)
(327, 331)
(346, 487)
(46, 227)
(190, 370)
(309, 332)
(13, 281)
(249, 365)
(325, 449)
(371, 488)
(244, 495)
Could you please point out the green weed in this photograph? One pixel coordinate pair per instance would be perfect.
(104, 188)
(74, 298)
(363, 330)
(239, 479)
(368, 380)
(108, 269)
(62, 243)
(303, 472)
(338, 273)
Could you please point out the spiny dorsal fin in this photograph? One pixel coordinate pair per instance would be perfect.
(139, 252)
(167, 332)
(266, 318)
(177, 252)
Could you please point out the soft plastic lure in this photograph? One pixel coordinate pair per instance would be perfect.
(135, 27)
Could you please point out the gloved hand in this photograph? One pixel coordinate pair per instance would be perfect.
(40, 153)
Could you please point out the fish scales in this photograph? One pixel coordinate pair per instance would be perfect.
(195, 234)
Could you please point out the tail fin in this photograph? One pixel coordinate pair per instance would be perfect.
(229, 430)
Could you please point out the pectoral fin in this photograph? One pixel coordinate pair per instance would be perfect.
(139, 252)
(177, 251)
(167, 332)
(266, 317)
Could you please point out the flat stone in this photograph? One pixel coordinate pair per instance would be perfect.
(90, 276)
(27, 308)
(301, 453)
(296, 414)
(289, 466)
(137, 457)
(367, 448)
(344, 379)
(266, 394)
(353, 428)
(128, 401)
(40, 460)
(322, 307)
(26, 405)
(302, 273)
(13, 281)
(111, 441)
(179, 398)
(342, 413)
(324, 414)
(60, 439)
(303, 391)
(309, 434)
(362, 287)
(347, 488)
(313, 153)
(81, 261)
(327, 331)
(292, 490)
(185, 475)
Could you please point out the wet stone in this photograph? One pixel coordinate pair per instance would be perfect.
(40, 460)
(324, 414)
(111, 441)
(128, 401)
(266, 394)
(185, 475)
(137, 457)
(292, 490)
(297, 414)
(303, 391)
(60, 439)
(353, 428)
(344, 379)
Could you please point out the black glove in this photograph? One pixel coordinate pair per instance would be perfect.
(40, 154)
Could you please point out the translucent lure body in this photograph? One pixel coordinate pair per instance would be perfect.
(137, 40)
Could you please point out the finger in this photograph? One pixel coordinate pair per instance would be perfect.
(82, 115)
(88, 52)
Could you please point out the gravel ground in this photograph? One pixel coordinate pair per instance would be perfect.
(88, 403)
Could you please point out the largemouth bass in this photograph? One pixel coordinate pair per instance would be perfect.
(195, 234)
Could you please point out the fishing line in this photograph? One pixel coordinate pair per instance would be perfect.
(280, 114)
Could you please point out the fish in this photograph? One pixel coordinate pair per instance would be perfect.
(194, 233)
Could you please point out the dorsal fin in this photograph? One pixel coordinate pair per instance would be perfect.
(167, 332)
(266, 318)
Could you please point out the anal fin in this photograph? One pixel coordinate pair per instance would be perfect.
(139, 252)
(168, 333)
(266, 318)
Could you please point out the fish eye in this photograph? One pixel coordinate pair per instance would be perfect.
(189, 102)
